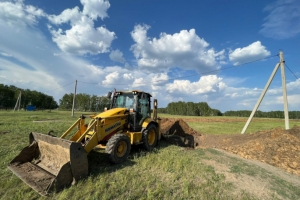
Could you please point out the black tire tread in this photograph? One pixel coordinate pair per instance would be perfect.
(111, 145)
(146, 145)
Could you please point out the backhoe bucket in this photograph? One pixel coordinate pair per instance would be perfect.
(50, 163)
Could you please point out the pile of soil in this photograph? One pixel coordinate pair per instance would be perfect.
(277, 147)
(176, 131)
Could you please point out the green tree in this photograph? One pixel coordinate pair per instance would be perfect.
(6, 97)
(66, 102)
(10, 94)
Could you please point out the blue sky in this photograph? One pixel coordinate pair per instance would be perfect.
(176, 50)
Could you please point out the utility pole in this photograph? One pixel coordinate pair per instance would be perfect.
(18, 103)
(285, 101)
(286, 112)
(74, 97)
(50, 104)
(260, 98)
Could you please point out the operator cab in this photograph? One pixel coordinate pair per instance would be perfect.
(138, 105)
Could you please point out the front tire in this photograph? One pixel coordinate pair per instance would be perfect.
(118, 148)
(150, 137)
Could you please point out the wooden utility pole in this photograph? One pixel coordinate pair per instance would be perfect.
(286, 112)
(74, 97)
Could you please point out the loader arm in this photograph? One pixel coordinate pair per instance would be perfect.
(52, 163)
(100, 132)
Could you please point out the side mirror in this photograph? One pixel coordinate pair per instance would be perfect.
(108, 95)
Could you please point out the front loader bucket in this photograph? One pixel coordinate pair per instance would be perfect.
(50, 163)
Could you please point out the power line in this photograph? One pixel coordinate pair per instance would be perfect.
(60, 87)
(94, 83)
(291, 71)
(222, 69)
(196, 74)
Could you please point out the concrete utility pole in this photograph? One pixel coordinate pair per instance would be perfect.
(74, 97)
(260, 98)
(18, 103)
(285, 101)
(286, 112)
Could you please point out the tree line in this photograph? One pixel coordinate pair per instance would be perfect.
(190, 109)
(9, 95)
(270, 114)
(203, 109)
(84, 102)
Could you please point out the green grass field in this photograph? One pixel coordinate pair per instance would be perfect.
(232, 125)
(168, 172)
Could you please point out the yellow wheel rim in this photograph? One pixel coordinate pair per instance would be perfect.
(151, 136)
(121, 148)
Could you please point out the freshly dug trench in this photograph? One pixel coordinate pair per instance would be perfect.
(177, 132)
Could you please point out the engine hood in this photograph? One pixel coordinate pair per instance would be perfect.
(111, 112)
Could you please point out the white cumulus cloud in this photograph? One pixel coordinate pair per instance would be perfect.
(160, 79)
(206, 84)
(19, 14)
(117, 56)
(254, 51)
(95, 8)
(83, 37)
(111, 78)
(184, 49)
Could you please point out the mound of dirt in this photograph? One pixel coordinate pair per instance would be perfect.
(177, 132)
(277, 147)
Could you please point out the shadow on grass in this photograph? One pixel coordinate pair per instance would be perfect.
(99, 163)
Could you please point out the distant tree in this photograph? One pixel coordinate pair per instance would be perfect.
(84, 102)
(10, 94)
(66, 102)
(270, 114)
(191, 109)
(215, 112)
(6, 97)
(162, 110)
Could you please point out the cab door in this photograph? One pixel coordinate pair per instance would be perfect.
(143, 107)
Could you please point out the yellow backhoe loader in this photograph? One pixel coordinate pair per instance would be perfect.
(52, 163)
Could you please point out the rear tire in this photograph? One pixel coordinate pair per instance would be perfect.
(150, 137)
(118, 148)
